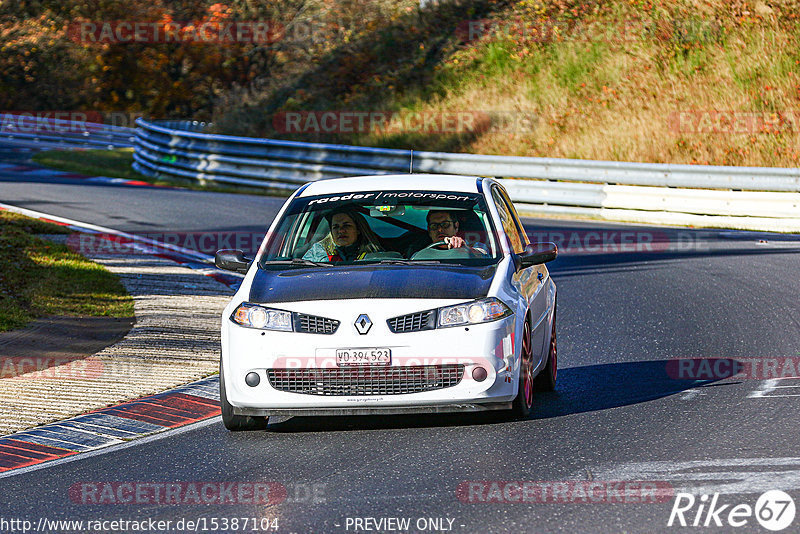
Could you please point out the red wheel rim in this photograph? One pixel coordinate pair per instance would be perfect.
(553, 351)
(527, 366)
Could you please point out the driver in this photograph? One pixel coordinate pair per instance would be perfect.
(443, 225)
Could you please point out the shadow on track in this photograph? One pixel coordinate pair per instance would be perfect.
(600, 248)
(581, 389)
(601, 387)
(567, 266)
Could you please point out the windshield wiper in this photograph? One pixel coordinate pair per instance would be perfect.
(297, 262)
(398, 261)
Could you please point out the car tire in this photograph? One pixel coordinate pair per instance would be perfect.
(233, 422)
(546, 379)
(523, 402)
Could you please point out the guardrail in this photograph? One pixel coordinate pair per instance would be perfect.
(730, 197)
(59, 133)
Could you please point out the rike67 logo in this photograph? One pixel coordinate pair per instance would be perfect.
(774, 510)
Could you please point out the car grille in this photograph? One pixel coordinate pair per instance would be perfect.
(413, 322)
(367, 380)
(311, 324)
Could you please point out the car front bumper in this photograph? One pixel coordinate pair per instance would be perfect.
(374, 410)
(488, 345)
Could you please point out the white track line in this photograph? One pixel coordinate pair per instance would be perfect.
(113, 447)
(104, 230)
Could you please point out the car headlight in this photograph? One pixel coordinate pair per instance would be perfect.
(480, 311)
(254, 316)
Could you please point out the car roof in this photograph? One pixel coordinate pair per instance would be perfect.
(393, 182)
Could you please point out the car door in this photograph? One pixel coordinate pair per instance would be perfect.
(530, 281)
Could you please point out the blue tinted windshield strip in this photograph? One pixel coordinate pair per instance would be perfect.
(302, 188)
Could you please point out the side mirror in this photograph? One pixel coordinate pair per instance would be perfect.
(536, 254)
(232, 260)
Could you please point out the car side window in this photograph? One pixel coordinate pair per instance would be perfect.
(515, 216)
(507, 220)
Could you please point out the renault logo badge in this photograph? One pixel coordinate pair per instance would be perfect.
(363, 324)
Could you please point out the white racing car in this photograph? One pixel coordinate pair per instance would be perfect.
(389, 294)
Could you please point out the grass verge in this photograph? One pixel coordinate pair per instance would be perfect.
(712, 82)
(39, 278)
(112, 163)
(117, 164)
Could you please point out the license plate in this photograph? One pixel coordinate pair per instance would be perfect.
(373, 356)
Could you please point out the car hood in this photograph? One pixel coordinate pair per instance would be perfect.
(372, 281)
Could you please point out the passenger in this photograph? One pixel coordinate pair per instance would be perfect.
(443, 225)
(350, 238)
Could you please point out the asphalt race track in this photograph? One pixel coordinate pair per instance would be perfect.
(625, 415)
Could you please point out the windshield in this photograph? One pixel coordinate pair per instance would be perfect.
(397, 227)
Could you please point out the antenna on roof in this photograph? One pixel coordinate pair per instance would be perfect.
(411, 164)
